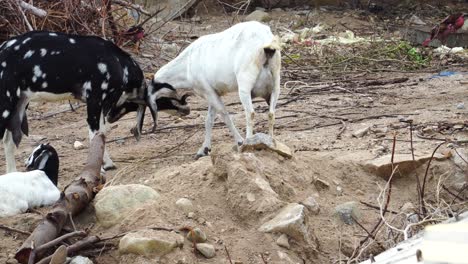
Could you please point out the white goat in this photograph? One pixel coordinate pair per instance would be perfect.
(244, 58)
(20, 191)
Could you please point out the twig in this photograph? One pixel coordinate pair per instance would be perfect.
(376, 207)
(4, 227)
(59, 239)
(227, 252)
(343, 128)
(422, 208)
(368, 233)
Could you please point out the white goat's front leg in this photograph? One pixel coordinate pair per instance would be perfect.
(218, 105)
(9, 147)
(209, 122)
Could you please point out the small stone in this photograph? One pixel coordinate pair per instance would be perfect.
(461, 106)
(114, 203)
(361, 132)
(347, 211)
(185, 205)
(262, 141)
(78, 145)
(290, 220)
(312, 205)
(195, 19)
(196, 235)
(415, 20)
(149, 243)
(258, 15)
(321, 184)
(191, 215)
(206, 249)
(81, 260)
(283, 241)
(169, 48)
(339, 190)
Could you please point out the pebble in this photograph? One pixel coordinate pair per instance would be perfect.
(339, 190)
(197, 235)
(206, 249)
(78, 145)
(283, 241)
(461, 106)
(185, 204)
(312, 205)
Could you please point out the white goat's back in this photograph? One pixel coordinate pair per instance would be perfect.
(216, 59)
(22, 190)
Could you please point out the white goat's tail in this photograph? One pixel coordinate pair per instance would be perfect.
(272, 48)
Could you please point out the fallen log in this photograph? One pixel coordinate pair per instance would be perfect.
(76, 196)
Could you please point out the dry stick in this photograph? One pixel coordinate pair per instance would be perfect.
(4, 227)
(343, 128)
(85, 242)
(58, 240)
(227, 252)
(458, 194)
(422, 207)
(376, 207)
(378, 225)
(368, 233)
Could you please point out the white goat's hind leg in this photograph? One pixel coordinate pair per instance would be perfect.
(275, 70)
(215, 101)
(206, 147)
(246, 82)
(9, 147)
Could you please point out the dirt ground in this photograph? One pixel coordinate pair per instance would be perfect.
(317, 121)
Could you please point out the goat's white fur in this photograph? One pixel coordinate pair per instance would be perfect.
(20, 191)
(232, 60)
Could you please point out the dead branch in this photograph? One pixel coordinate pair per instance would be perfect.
(133, 6)
(7, 228)
(229, 256)
(34, 10)
(75, 198)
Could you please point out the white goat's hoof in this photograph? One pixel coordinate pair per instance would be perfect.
(110, 166)
(202, 153)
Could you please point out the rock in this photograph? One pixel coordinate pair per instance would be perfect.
(171, 48)
(262, 141)
(290, 221)
(78, 145)
(113, 203)
(347, 211)
(206, 250)
(59, 256)
(383, 167)
(260, 8)
(191, 215)
(197, 235)
(361, 132)
(185, 204)
(148, 243)
(321, 184)
(461, 106)
(258, 15)
(249, 194)
(312, 205)
(80, 260)
(283, 241)
(195, 19)
(415, 20)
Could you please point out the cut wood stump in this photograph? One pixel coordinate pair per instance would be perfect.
(76, 196)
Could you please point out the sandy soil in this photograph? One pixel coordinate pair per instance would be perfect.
(307, 121)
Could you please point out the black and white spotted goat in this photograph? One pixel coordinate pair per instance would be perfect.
(49, 66)
(245, 58)
(20, 191)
